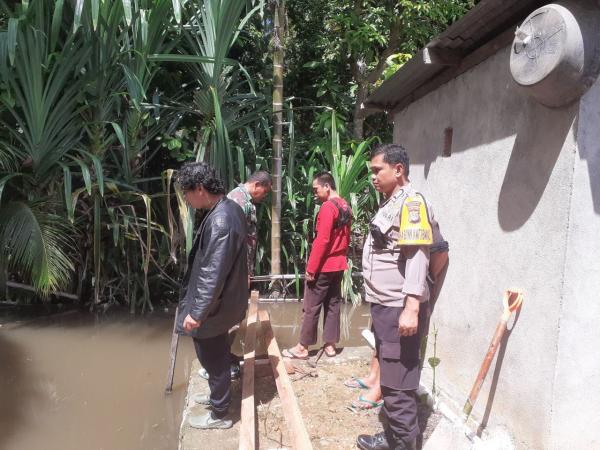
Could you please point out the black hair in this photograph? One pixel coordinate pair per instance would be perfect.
(392, 154)
(324, 178)
(194, 174)
(261, 177)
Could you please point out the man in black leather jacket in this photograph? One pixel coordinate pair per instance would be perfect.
(214, 294)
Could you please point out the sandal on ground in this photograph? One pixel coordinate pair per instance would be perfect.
(330, 354)
(362, 404)
(290, 353)
(356, 383)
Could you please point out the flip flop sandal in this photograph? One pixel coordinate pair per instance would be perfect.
(356, 383)
(330, 355)
(362, 404)
(289, 353)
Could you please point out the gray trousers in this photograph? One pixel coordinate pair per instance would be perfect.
(399, 367)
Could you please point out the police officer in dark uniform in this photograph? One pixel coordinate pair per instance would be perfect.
(395, 267)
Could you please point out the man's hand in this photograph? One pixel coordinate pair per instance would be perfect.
(309, 276)
(409, 318)
(189, 323)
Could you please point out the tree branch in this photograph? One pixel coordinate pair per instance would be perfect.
(392, 48)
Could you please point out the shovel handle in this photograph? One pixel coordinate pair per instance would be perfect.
(485, 367)
(513, 298)
(511, 301)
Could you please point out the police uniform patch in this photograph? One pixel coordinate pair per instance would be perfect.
(415, 228)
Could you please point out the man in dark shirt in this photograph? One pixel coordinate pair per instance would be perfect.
(212, 298)
(325, 268)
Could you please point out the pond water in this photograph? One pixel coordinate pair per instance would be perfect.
(79, 381)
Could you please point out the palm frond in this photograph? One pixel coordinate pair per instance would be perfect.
(46, 89)
(37, 244)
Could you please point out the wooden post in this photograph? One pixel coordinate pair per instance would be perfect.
(248, 410)
(293, 416)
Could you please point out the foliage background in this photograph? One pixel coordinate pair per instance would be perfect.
(100, 100)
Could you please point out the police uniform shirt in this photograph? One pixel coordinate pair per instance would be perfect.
(391, 273)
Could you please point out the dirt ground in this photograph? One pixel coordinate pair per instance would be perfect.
(323, 401)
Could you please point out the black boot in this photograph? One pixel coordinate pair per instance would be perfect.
(375, 442)
(397, 443)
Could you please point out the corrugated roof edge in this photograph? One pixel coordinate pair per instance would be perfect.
(477, 35)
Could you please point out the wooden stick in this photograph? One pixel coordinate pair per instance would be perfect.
(248, 411)
(172, 355)
(26, 287)
(298, 433)
(314, 363)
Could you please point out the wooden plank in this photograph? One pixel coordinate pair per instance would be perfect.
(265, 362)
(298, 433)
(248, 409)
(263, 371)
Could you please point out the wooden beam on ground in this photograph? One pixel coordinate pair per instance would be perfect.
(248, 411)
(293, 416)
(262, 367)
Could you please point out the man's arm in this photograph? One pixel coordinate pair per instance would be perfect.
(415, 285)
(210, 271)
(322, 242)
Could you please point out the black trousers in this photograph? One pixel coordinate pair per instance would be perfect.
(214, 355)
(324, 291)
(399, 368)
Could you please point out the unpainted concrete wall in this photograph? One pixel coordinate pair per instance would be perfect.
(503, 200)
(575, 418)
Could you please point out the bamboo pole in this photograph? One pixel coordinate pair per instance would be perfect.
(278, 37)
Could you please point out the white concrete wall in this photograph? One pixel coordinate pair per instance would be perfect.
(503, 202)
(576, 419)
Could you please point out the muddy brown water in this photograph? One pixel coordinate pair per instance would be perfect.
(78, 381)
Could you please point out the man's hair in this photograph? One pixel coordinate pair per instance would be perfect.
(192, 175)
(324, 178)
(392, 154)
(261, 177)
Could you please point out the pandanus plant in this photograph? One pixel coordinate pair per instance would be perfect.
(79, 124)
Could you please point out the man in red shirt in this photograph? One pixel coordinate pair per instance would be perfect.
(325, 268)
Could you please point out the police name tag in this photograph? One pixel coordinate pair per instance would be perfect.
(387, 216)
